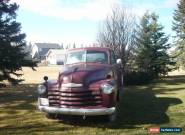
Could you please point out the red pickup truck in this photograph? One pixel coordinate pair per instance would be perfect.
(88, 84)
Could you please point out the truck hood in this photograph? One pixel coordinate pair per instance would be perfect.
(84, 73)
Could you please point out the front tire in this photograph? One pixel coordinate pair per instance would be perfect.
(112, 117)
(51, 115)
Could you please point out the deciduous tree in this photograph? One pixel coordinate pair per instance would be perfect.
(118, 33)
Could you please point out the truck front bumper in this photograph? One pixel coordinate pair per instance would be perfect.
(76, 111)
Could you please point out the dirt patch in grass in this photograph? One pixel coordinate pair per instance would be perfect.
(34, 77)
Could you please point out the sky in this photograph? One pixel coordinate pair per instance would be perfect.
(78, 21)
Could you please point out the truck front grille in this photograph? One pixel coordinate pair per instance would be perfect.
(74, 97)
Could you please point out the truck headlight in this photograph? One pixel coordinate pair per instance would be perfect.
(41, 89)
(107, 88)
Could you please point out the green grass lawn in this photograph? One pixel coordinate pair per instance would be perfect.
(161, 103)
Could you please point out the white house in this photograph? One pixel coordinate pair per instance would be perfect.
(55, 56)
(39, 50)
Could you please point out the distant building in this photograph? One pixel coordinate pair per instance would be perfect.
(55, 57)
(39, 50)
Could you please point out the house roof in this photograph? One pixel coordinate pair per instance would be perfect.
(48, 45)
(44, 51)
(45, 47)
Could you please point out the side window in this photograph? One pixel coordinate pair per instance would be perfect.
(113, 58)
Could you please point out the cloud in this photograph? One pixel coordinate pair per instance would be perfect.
(91, 9)
(171, 3)
(96, 10)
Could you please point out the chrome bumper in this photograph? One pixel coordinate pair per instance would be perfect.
(74, 111)
(43, 105)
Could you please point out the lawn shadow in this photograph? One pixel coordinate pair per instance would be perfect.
(20, 97)
(143, 107)
(172, 80)
(170, 84)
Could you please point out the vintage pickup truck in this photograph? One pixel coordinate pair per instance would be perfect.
(88, 84)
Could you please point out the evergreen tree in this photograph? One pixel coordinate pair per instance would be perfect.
(152, 56)
(12, 43)
(179, 28)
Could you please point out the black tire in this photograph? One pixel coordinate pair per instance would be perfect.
(113, 117)
(51, 115)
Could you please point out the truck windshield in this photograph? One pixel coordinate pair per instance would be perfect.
(87, 56)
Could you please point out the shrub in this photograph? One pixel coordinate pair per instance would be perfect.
(136, 78)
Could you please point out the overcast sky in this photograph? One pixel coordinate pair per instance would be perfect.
(69, 21)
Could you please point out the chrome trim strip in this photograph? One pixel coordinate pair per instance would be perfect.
(70, 85)
(80, 111)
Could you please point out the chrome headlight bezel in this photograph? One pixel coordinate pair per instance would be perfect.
(41, 89)
(107, 88)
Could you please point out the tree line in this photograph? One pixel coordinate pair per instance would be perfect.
(143, 47)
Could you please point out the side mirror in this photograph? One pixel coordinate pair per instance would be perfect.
(118, 61)
(45, 78)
